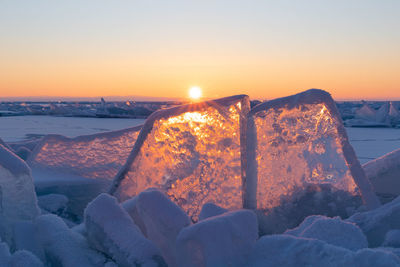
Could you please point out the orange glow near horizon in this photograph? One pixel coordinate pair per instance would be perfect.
(265, 49)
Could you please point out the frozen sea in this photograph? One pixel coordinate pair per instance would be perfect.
(369, 143)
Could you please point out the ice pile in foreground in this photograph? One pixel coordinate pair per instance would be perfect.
(17, 193)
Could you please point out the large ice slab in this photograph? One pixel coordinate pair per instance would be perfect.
(92, 156)
(193, 153)
(17, 194)
(297, 146)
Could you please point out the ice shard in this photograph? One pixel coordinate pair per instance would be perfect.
(90, 156)
(17, 193)
(193, 153)
(297, 145)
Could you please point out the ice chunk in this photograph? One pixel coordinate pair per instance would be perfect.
(209, 210)
(384, 174)
(4, 254)
(193, 153)
(23, 258)
(17, 193)
(224, 240)
(366, 113)
(26, 238)
(298, 152)
(286, 250)
(64, 247)
(92, 156)
(111, 230)
(163, 220)
(392, 239)
(53, 203)
(333, 231)
(376, 223)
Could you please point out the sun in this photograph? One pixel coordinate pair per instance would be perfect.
(195, 92)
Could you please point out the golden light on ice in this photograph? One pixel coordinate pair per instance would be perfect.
(195, 93)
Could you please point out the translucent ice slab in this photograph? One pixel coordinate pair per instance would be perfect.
(193, 153)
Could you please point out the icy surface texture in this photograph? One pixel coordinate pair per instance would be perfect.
(91, 156)
(111, 230)
(17, 193)
(295, 143)
(376, 223)
(392, 239)
(163, 220)
(286, 250)
(224, 240)
(333, 231)
(64, 247)
(384, 174)
(209, 210)
(23, 258)
(193, 153)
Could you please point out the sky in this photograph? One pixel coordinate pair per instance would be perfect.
(265, 49)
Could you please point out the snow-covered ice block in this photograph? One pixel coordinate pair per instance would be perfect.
(193, 153)
(26, 238)
(163, 220)
(23, 153)
(298, 152)
(111, 230)
(64, 247)
(376, 223)
(53, 203)
(92, 156)
(287, 250)
(333, 231)
(224, 240)
(23, 258)
(17, 193)
(209, 210)
(392, 239)
(4, 254)
(384, 174)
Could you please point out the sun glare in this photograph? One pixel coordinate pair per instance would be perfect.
(195, 93)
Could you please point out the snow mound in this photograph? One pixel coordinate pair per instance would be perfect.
(163, 220)
(392, 239)
(376, 223)
(333, 231)
(53, 203)
(26, 238)
(287, 250)
(224, 240)
(193, 153)
(17, 193)
(209, 210)
(297, 146)
(23, 258)
(111, 230)
(62, 246)
(384, 174)
(91, 156)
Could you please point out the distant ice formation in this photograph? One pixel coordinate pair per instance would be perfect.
(193, 153)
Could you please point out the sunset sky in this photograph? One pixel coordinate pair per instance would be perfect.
(265, 49)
